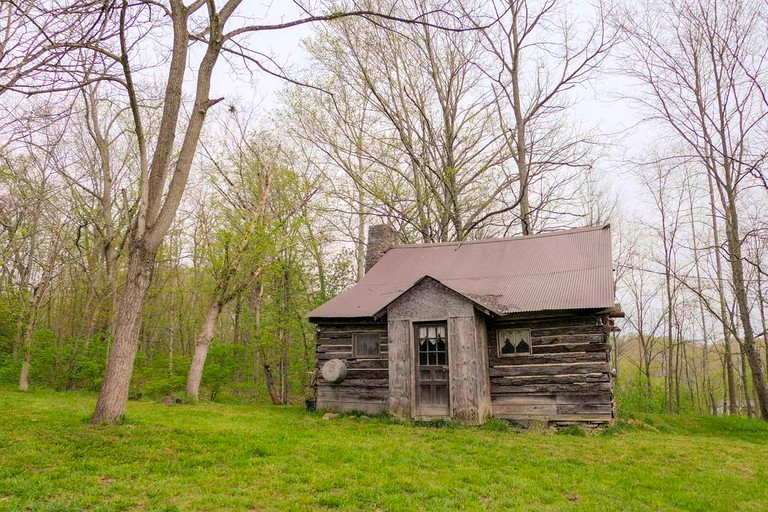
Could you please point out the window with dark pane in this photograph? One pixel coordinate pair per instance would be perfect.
(433, 345)
(365, 344)
(514, 342)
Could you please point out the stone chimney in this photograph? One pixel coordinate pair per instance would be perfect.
(380, 238)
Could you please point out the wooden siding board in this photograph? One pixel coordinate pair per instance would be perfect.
(466, 373)
(400, 367)
(481, 349)
(335, 393)
(550, 369)
(528, 359)
(570, 347)
(549, 387)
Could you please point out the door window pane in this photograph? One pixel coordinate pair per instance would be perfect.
(433, 346)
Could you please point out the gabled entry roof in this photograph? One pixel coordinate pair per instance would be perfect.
(568, 269)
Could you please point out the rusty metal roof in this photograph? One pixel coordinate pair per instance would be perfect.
(568, 269)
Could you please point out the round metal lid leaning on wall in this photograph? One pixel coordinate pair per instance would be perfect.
(334, 371)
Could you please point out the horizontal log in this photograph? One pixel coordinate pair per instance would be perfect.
(350, 330)
(544, 320)
(522, 400)
(366, 373)
(551, 379)
(597, 337)
(367, 362)
(569, 330)
(550, 369)
(325, 341)
(559, 398)
(518, 410)
(342, 342)
(325, 356)
(585, 400)
(351, 383)
(331, 347)
(527, 359)
(571, 347)
(585, 409)
(366, 406)
(321, 350)
(356, 393)
(570, 387)
(338, 354)
(380, 363)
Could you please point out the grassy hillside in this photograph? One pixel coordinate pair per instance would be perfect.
(245, 457)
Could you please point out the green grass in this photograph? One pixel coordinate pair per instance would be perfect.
(258, 457)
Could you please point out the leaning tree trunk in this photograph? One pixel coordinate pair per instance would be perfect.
(202, 345)
(740, 291)
(113, 395)
(274, 395)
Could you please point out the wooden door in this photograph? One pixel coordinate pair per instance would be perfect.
(432, 375)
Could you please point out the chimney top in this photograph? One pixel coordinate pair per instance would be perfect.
(381, 237)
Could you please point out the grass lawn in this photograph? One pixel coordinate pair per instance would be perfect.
(257, 457)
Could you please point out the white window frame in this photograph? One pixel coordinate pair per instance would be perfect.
(503, 333)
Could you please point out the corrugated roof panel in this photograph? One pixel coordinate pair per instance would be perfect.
(559, 270)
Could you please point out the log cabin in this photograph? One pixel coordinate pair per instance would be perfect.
(515, 328)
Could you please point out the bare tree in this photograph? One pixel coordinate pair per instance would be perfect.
(701, 63)
(535, 57)
(427, 157)
(643, 316)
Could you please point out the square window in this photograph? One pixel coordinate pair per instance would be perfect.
(513, 342)
(365, 345)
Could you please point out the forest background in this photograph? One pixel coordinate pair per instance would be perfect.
(179, 185)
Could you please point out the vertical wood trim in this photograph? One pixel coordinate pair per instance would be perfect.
(481, 347)
(400, 368)
(468, 370)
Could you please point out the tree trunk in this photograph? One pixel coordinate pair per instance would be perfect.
(731, 379)
(33, 308)
(761, 307)
(201, 350)
(17, 339)
(740, 291)
(285, 389)
(745, 384)
(273, 393)
(24, 377)
(113, 395)
(172, 333)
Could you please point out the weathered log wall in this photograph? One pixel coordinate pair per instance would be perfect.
(566, 378)
(366, 387)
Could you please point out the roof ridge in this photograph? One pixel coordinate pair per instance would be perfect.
(515, 238)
